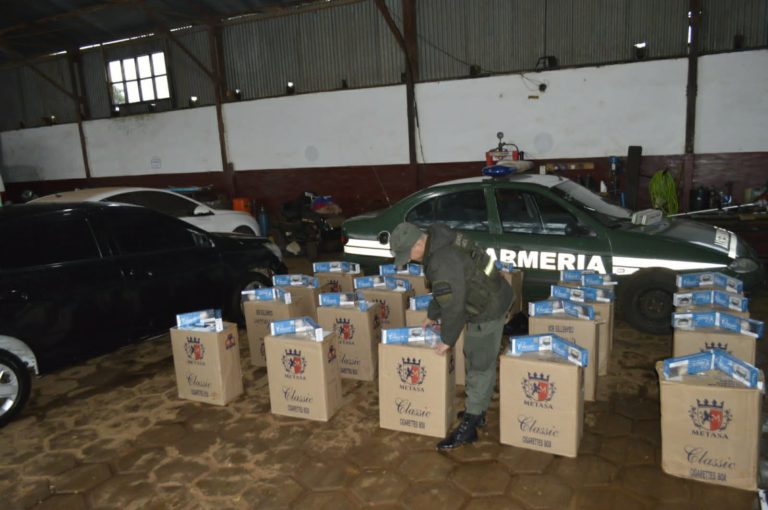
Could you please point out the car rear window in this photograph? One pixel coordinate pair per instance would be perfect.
(46, 240)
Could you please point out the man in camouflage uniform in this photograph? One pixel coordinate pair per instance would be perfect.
(467, 289)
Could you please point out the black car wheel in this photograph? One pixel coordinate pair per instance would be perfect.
(646, 300)
(14, 386)
(256, 281)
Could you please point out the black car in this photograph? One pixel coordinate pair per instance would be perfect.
(82, 279)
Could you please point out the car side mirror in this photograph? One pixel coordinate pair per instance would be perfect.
(202, 210)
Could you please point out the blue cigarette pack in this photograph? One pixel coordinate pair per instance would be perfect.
(554, 343)
(336, 267)
(266, 294)
(420, 302)
(302, 326)
(709, 279)
(295, 280)
(742, 371)
(337, 299)
(573, 275)
(415, 269)
(506, 267)
(578, 310)
(597, 279)
(693, 298)
(203, 320)
(695, 320)
(579, 294)
(748, 327)
(570, 351)
(369, 282)
(391, 269)
(730, 300)
(689, 364)
(397, 284)
(546, 307)
(410, 335)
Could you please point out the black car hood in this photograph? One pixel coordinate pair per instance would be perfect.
(233, 240)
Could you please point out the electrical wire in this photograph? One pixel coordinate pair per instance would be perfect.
(663, 192)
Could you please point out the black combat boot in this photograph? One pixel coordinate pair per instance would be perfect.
(480, 424)
(465, 433)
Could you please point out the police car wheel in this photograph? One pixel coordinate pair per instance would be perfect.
(646, 300)
(14, 386)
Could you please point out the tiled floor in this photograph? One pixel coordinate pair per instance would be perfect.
(111, 433)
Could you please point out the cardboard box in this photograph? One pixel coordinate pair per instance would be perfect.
(584, 333)
(304, 377)
(308, 298)
(258, 315)
(416, 318)
(416, 388)
(541, 403)
(691, 342)
(515, 279)
(393, 305)
(710, 428)
(603, 316)
(358, 333)
(337, 282)
(207, 364)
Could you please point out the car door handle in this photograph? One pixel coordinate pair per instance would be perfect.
(140, 275)
(14, 295)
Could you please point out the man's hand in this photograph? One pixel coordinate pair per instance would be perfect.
(441, 348)
(429, 323)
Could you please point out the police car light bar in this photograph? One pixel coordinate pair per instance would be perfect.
(507, 167)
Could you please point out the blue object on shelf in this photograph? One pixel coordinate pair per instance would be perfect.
(263, 220)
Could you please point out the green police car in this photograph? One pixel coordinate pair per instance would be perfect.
(546, 223)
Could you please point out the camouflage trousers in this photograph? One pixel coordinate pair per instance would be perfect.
(481, 352)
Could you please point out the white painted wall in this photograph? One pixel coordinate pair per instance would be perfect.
(732, 103)
(344, 128)
(586, 112)
(160, 143)
(41, 154)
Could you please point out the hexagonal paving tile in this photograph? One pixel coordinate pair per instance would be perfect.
(140, 460)
(194, 443)
(330, 474)
(480, 451)
(603, 497)
(443, 495)
(49, 464)
(379, 486)
(224, 482)
(73, 439)
(423, 466)
(493, 503)
(271, 493)
(81, 478)
(180, 470)
(63, 502)
(636, 408)
(161, 435)
(540, 491)
(585, 470)
(124, 492)
(375, 454)
(209, 418)
(334, 443)
(628, 450)
(611, 425)
(649, 430)
(289, 435)
(326, 501)
(590, 443)
(639, 479)
(482, 478)
(520, 460)
(105, 450)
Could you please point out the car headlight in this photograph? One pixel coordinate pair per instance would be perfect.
(743, 265)
(275, 250)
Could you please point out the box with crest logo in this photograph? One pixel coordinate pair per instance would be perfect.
(541, 403)
(258, 315)
(710, 427)
(416, 388)
(692, 341)
(417, 317)
(303, 375)
(393, 305)
(358, 333)
(207, 364)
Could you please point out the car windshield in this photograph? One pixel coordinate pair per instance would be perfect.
(604, 211)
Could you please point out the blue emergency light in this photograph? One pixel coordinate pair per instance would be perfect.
(498, 171)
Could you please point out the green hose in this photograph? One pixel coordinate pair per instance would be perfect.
(663, 192)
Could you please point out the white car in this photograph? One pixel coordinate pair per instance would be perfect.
(168, 202)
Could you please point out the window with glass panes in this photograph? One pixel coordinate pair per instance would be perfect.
(138, 79)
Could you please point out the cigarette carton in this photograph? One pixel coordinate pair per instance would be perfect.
(709, 279)
(336, 267)
(417, 303)
(409, 335)
(304, 327)
(520, 345)
(203, 320)
(397, 284)
(294, 280)
(719, 298)
(547, 307)
(595, 279)
(416, 389)
(369, 282)
(358, 331)
(304, 376)
(266, 294)
(207, 364)
(574, 275)
(749, 327)
(337, 299)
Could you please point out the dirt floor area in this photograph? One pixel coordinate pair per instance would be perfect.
(112, 433)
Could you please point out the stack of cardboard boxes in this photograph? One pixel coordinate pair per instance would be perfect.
(542, 394)
(712, 313)
(260, 308)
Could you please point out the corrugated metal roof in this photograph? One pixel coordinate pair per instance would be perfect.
(723, 20)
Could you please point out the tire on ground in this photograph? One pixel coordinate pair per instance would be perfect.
(646, 300)
(13, 372)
